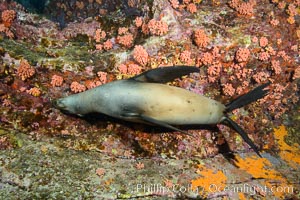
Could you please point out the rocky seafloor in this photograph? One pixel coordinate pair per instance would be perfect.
(57, 48)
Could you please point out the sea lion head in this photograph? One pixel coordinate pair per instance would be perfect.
(67, 105)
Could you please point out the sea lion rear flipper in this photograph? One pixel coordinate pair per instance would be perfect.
(152, 121)
(165, 74)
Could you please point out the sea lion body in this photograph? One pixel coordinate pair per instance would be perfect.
(164, 103)
(145, 99)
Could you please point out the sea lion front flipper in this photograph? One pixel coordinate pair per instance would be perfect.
(165, 74)
(152, 121)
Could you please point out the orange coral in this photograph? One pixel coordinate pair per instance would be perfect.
(122, 69)
(102, 77)
(34, 92)
(107, 45)
(206, 58)
(139, 165)
(140, 55)
(228, 89)
(157, 27)
(125, 40)
(200, 38)
(134, 69)
(297, 73)
(174, 3)
(185, 57)
(56, 81)
(263, 41)
(92, 84)
(275, 65)
(242, 54)
(100, 171)
(263, 56)
(8, 17)
(261, 77)
(192, 8)
(77, 87)
(243, 8)
(214, 71)
(25, 70)
(122, 30)
(99, 35)
(274, 22)
(138, 21)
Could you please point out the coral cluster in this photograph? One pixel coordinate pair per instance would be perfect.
(7, 17)
(25, 70)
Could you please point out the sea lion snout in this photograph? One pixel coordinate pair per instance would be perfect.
(59, 104)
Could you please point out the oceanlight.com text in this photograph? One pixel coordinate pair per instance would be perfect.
(246, 188)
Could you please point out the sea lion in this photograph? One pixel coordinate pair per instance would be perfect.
(145, 99)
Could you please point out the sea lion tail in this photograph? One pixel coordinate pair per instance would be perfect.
(241, 101)
(255, 94)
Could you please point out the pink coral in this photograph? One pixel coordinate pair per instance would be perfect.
(56, 81)
(122, 30)
(92, 84)
(261, 77)
(275, 65)
(140, 55)
(263, 56)
(274, 22)
(297, 73)
(6, 30)
(77, 87)
(138, 22)
(139, 165)
(102, 77)
(214, 71)
(192, 8)
(243, 8)
(99, 47)
(131, 69)
(125, 40)
(185, 57)
(294, 48)
(34, 92)
(254, 39)
(263, 41)
(100, 171)
(107, 45)
(7, 17)
(122, 69)
(134, 69)
(25, 70)
(157, 27)
(206, 58)
(281, 4)
(292, 10)
(174, 3)
(271, 51)
(200, 38)
(99, 35)
(242, 54)
(228, 89)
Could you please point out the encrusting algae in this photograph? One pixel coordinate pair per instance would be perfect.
(261, 168)
(208, 178)
(291, 154)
